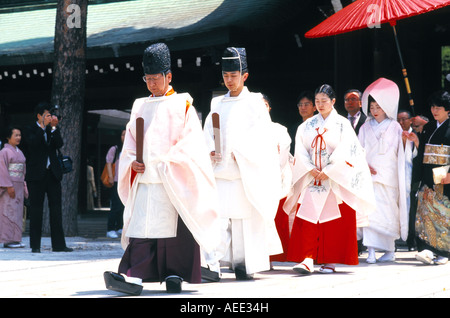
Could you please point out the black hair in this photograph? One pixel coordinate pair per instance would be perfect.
(326, 89)
(266, 98)
(119, 143)
(370, 100)
(354, 90)
(306, 94)
(8, 134)
(404, 111)
(42, 107)
(440, 98)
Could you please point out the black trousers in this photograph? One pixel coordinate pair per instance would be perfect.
(37, 190)
(411, 240)
(115, 218)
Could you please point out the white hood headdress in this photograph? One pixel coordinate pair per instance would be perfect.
(386, 94)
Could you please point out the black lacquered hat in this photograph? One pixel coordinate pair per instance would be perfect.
(234, 59)
(156, 59)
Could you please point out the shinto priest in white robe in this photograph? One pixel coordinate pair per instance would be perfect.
(385, 153)
(331, 146)
(178, 177)
(283, 144)
(283, 222)
(249, 186)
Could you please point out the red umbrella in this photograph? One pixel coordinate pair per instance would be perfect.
(371, 13)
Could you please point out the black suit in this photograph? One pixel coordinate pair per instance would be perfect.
(361, 121)
(292, 131)
(42, 178)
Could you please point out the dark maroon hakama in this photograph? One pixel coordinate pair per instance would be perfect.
(153, 260)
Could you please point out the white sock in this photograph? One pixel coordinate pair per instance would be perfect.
(309, 262)
(371, 251)
(133, 280)
(387, 256)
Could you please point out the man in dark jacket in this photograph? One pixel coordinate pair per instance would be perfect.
(43, 176)
(352, 103)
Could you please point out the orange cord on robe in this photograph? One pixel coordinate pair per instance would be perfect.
(318, 144)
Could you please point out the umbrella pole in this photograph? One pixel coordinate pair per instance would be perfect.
(405, 74)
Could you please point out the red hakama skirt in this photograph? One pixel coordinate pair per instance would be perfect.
(282, 226)
(329, 242)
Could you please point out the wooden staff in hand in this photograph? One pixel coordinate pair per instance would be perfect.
(138, 165)
(216, 155)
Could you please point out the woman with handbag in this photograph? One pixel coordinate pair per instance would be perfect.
(115, 218)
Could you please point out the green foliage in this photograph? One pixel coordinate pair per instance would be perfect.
(445, 63)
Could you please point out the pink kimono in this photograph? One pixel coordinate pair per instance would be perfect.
(12, 174)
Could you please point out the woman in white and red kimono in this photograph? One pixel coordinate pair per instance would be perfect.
(12, 190)
(332, 187)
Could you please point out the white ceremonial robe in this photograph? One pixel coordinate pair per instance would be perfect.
(340, 156)
(283, 142)
(249, 186)
(384, 149)
(410, 154)
(178, 178)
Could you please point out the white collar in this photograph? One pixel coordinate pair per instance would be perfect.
(333, 111)
(355, 116)
(440, 124)
(37, 123)
(384, 122)
(242, 94)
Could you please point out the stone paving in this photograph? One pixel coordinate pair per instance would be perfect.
(79, 274)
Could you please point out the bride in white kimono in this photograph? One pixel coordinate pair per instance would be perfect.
(381, 136)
